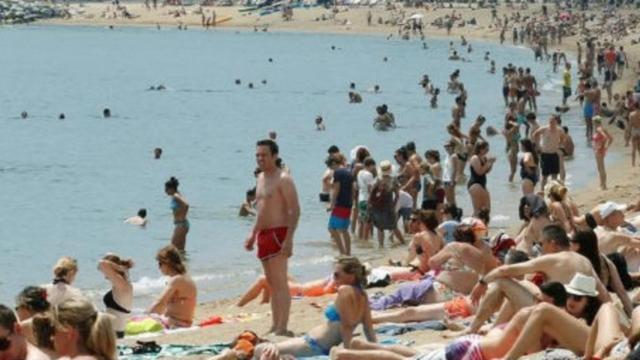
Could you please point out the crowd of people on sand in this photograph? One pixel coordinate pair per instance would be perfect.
(565, 279)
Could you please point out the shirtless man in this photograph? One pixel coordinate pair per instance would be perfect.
(634, 132)
(18, 348)
(327, 179)
(549, 138)
(276, 222)
(408, 174)
(457, 111)
(611, 239)
(558, 263)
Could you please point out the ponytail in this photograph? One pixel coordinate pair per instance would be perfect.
(101, 340)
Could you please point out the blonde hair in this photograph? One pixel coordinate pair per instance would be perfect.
(351, 265)
(64, 267)
(171, 256)
(95, 328)
(557, 191)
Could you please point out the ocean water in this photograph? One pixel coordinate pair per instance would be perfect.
(68, 185)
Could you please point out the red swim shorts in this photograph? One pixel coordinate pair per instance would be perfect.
(270, 242)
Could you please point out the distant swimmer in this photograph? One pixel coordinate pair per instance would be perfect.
(385, 120)
(250, 85)
(264, 82)
(333, 47)
(454, 56)
(354, 97)
(320, 123)
(434, 98)
(376, 88)
(106, 113)
(352, 86)
(238, 82)
(486, 56)
(138, 220)
(492, 70)
(24, 115)
(248, 207)
(469, 48)
(61, 116)
(424, 46)
(161, 87)
(385, 59)
(270, 60)
(157, 153)
(273, 135)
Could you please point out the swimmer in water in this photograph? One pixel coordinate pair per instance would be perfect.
(454, 56)
(250, 85)
(354, 97)
(157, 153)
(486, 56)
(106, 113)
(61, 116)
(248, 207)
(320, 123)
(24, 115)
(273, 135)
(434, 98)
(238, 82)
(139, 220)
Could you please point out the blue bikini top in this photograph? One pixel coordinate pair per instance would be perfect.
(331, 313)
(174, 204)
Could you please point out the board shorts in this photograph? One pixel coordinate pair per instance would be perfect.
(363, 211)
(340, 218)
(270, 242)
(550, 164)
(588, 110)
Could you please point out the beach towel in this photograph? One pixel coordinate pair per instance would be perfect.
(171, 351)
(399, 329)
(407, 294)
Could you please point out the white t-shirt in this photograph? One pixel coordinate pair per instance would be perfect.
(365, 179)
(404, 200)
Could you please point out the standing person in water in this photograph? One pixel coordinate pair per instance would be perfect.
(480, 165)
(600, 142)
(180, 208)
(276, 222)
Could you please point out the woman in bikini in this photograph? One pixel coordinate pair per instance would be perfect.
(585, 243)
(177, 303)
(459, 148)
(118, 300)
(479, 166)
(600, 142)
(511, 133)
(350, 309)
(528, 167)
(180, 208)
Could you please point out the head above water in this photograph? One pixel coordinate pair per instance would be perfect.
(142, 213)
(106, 113)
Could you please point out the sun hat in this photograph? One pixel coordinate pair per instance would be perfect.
(582, 285)
(385, 167)
(609, 208)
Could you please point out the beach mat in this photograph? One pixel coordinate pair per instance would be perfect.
(125, 352)
(399, 329)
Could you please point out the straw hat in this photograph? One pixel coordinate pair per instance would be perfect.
(582, 285)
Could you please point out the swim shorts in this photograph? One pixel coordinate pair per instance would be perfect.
(339, 219)
(270, 242)
(550, 164)
(405, 213)
(363, 211)
(588, 110)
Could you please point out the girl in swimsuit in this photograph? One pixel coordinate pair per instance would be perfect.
(601, 140)
(180, 208)
(512, 134)
(528, 166)
(350, 309)
(177, 303)
(118, 300)
(480, 165)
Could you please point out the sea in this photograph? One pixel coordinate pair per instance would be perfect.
(67, 185)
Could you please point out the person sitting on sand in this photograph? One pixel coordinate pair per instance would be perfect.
(248, 207)
(307, 289)
(64, 273)
(31, 301)
(354, 97)
(177, 303)
(139, 220)
(16, 345)
(119, 300)
(350, 309)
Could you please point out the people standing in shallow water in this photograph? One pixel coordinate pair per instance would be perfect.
(180, 208)
(119, 300)
(479, 166)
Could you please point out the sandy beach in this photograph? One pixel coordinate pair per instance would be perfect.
(307, 312)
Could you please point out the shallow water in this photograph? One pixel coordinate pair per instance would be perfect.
(68, 185)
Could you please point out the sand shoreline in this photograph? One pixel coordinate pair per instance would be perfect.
(305, 314)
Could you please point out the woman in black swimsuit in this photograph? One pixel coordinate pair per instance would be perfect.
(479, 166)
(119, 299)
(528, 166)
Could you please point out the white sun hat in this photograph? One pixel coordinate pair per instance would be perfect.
(582, 285)
(609, 207)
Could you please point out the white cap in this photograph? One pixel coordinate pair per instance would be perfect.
(609, 207)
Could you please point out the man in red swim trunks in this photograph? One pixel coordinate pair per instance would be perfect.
(277, 217)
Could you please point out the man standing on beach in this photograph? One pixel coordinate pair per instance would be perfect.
(634, 131)
(277, 217)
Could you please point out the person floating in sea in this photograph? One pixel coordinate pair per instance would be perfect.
(276, 223)
(354, 97)
(106, 113)
(248, 207)
(139, 220)
(157, 153)
(320, 123)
